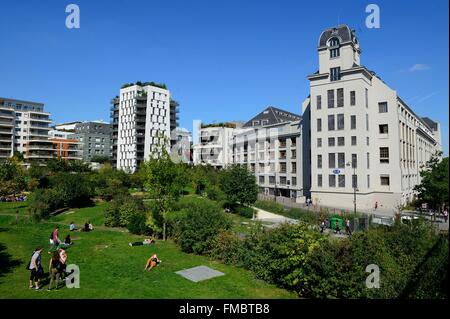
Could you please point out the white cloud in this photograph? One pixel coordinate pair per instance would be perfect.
(419, 67)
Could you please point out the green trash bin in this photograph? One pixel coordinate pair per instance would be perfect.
(340, 222)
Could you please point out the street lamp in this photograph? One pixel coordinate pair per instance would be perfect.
(354, 186)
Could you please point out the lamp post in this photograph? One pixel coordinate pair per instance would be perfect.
(354, 186)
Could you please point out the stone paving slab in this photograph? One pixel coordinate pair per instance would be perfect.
(199, 273)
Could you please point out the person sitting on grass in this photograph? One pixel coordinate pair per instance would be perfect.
(67, 241)
(72, 227)
(153, 261)
(88, 227)
(146, 241)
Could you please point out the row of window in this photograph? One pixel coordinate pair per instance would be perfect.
(383, 156)
(384, 180)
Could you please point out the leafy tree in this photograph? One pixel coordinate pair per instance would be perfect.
(12, 180)
(433, 188)
(165, 181)
(100, 159)
(239, 185)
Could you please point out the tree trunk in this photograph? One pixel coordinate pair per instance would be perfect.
(164, 231)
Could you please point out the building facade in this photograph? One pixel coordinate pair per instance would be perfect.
(29, 127)
(140, 125)
(65, 146)
(214, 146)
(95, 138)
(180, 148)
(364, 138)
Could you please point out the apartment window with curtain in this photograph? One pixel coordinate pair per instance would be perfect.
(382, 107)
(319, 161)
(335, 74)
(384, 154)
(352, 98)
(340, 121)
(341, 180)
(340, 97)
(319, 101)
(353, 122)
(341, 160)
(354, 160)
(331, 160)
(319, 125)
(330, 95)
(331, 122)
(331, 141)
(332, 180)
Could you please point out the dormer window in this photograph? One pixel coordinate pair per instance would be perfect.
(334, 47)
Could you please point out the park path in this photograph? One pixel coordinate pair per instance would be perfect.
(265, 216)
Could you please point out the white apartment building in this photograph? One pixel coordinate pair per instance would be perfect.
(27, 125)
(214, 145)
(143, 124)
(363, 135)
(180, 149)
(273, 153)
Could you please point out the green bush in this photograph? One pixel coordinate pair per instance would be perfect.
(42, 202)
(198, 223)
(227, 247)
(137, 223)
(127, 211)
(75, 190)
(244, 211)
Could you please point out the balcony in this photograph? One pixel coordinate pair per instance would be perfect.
(8, 123)
(282, 144)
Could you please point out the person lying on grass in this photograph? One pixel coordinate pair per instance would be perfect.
(146, 241)
(153, 261)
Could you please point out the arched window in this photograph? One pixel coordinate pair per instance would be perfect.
(334, 47)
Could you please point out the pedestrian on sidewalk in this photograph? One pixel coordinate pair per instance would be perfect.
(337, 228)
(445, 214)
(347, 227)
(322, 226)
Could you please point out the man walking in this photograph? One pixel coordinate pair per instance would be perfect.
(347, 227)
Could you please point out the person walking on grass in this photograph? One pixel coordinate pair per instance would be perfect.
(36, 269)
(54, 237)
(55, 269)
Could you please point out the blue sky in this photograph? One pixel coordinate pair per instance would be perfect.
(222, 60)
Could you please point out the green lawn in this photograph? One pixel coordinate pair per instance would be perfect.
(112, 269)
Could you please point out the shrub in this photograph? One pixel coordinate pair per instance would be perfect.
(244, 211)
(42, 202)
(198, 223)
(122, 211)
(137, 223)
(239, 185)
(75, 190)
(226, 247)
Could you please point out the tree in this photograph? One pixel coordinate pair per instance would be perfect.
(433, 188)
(165, 181)
(239, 185)
(100, 159)
(12, 179)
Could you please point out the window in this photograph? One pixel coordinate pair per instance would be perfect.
(330, 95)
(341, 141)
(341, 180)
(367, 141)
(294, 181)
(340, 121)
(331, 122)
(354, 181)
(319, 101)
(352, 122)
(368, 160)
(352, 98)
(319, 125)
(319, 180)
(354, 160)
(383, 128)
(367, 122)
(334, 47)
(384, 180)
(382, 107)
(368, 181)
(335, 74)
(334, 53)
(367, 98)
(319, 142)
(261, 179)
(331, 160)
(384, 154)
(340, 97)
(319, 161)
(332, 180)
(353, 140)
(331, 141)
(341, 160)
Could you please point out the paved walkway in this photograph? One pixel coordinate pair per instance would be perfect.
(265, 216)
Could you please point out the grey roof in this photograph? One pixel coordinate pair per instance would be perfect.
(343, 32)
(432, 124)
(273, 115)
